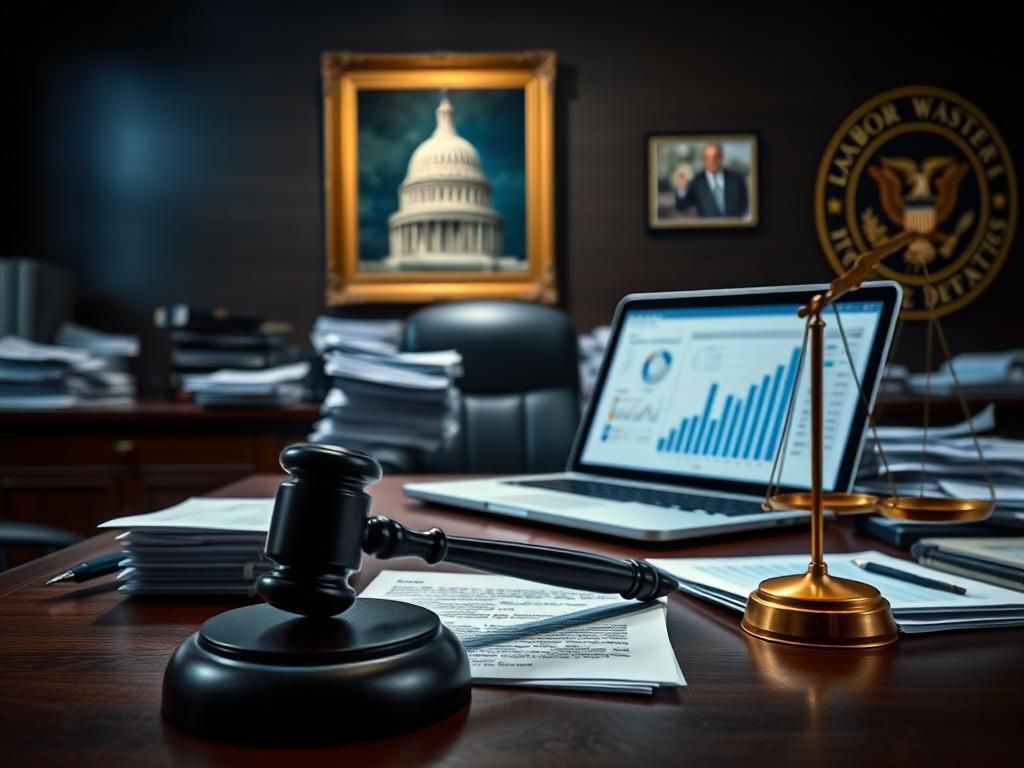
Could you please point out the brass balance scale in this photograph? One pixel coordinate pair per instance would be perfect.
(814, 608)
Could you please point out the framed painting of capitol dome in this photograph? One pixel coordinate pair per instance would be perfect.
(438, 174)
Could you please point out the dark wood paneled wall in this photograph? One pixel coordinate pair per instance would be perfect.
(172, 152)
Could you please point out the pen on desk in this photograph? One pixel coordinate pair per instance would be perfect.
(90, 569)
(556, 623)
(913, 578)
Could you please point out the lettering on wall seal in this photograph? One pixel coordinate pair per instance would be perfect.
(927, 160)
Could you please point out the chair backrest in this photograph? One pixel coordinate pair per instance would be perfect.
(520, 404)
(14, 533)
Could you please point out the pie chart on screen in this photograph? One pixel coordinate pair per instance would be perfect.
(656, 367)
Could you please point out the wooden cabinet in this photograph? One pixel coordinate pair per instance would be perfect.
(74, 469)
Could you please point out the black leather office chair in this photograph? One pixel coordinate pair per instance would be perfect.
(520, 386)
(18, 534)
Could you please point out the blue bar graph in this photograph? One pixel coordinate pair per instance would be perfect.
(757, 415)
(773, 443)
(725, 424)
(743, 424)
(679, 436)
(690, 437)
(776, 381)
(747, 428)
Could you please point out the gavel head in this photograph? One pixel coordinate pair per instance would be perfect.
(316, 532)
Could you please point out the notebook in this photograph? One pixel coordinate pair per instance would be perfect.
(995, 560)
(688, 412)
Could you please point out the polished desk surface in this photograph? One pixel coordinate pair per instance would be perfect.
(81, 666)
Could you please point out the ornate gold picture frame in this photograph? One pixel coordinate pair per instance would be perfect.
(438, 176)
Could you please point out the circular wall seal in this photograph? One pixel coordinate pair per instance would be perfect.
(926, 160)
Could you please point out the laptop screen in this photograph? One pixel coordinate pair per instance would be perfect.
(700, 390)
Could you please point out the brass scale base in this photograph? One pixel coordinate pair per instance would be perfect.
(819, 610)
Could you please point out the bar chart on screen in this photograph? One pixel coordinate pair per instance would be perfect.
(705, 392)
(744, 427)
(729, 407)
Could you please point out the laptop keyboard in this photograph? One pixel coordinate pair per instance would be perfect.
(670, 499)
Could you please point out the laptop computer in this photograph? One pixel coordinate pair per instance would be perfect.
(687, 415)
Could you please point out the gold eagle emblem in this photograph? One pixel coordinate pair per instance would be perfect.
(920, 198)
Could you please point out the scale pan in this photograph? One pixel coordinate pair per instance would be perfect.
(934, 509)
(840, 503)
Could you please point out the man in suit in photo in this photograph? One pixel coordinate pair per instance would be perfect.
(715, 191)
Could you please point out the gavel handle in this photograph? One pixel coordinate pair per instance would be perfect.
(633, 579)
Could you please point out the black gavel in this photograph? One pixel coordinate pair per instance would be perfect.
(320, 530)
(315, 664)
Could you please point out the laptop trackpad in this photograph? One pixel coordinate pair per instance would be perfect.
(547, 501)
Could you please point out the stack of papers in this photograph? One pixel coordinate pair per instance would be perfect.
(519, 633)
(207, 340)
(592, 347)
(728, 581)
(88, 367)
(950, 465)
(980, 374)
(375, 335)
(282, 385)
(382, 397)
(199, 547)
(97, 342)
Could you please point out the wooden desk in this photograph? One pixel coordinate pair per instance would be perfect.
(80, 673)
(77, 467)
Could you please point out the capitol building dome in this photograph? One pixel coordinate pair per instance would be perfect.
(445, 220)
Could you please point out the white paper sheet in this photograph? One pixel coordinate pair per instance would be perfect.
(1008, 496)
(204, 514)
(260, 380)
(994, 449)
(512, 636)
(982, 421)
(974, 369)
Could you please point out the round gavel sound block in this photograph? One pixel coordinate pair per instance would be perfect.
(314, 664)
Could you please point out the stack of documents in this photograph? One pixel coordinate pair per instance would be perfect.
(282, 385)
(87, 367)
(947, 464)
(205, 340)
(728, 581)
(379, 335)
(519, 633)
(979, 374)
(592, 347)
(97, 342)
(382, 397)
(199, 547)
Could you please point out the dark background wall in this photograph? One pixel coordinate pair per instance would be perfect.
(171, 152)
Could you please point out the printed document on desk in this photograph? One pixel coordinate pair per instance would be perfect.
(520, 633)
(729, 580)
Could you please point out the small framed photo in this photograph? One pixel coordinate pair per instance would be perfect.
(439, 177)
(701, 180)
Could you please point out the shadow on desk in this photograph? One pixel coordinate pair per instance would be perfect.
(431, 745)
